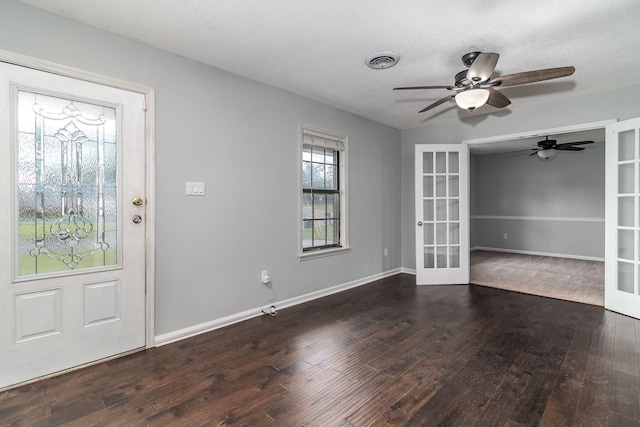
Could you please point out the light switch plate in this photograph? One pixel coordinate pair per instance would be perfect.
(195, 188)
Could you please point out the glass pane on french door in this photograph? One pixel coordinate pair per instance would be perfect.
(441, 209)
(622, 218)
(67, 163)
(628, 226)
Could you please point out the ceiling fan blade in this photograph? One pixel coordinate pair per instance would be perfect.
(424, 87)
(497, 99)
(534, 153)
(568, 148)
(435, 104)
(569, 144)
(532, 76)
(482, 67)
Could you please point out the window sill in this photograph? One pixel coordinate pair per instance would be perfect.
(322, 253)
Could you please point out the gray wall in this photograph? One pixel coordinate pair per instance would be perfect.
(615, 104)
(241, 138)
(532, 190)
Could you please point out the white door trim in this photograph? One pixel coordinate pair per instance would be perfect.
(540, 132)
(150, 143)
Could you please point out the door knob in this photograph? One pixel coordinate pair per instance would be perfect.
(419, 223)
(137, 201)
(137, 219)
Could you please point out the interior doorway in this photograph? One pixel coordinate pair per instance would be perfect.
(542, 220)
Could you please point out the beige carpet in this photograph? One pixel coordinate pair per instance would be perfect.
(561, 278)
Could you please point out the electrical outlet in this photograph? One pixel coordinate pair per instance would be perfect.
(386, 251)
(504, 236)
(265, 277)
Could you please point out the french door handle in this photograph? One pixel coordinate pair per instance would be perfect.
(419, 223)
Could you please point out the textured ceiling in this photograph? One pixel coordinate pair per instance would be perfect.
(317, 48)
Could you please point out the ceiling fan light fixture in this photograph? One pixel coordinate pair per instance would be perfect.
(547, 154)
(472, 98)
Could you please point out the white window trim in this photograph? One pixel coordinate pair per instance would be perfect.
(344, 200)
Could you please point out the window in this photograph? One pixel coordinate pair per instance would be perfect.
(323, 228)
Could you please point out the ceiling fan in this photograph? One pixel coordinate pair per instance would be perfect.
(475, 87)
(547, 149)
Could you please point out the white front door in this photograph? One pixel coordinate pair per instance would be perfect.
(622, 215)
(72, 243)
(442, 214)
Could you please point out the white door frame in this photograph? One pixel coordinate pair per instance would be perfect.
(542, 133)
(149, 94)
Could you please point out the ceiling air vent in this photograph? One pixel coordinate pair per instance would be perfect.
(381, 60)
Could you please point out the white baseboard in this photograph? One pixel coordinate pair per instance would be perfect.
(246, 315)
(408, 271)
(516, 251)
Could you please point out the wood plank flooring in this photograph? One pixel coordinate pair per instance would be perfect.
(384, 354)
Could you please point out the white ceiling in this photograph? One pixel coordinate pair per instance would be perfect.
(317, 48)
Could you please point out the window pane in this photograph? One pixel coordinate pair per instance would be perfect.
(428, 234)
(453, 162)
(454, 233)
(625, 244)
(427, 186)
(329, 157)
(625, 211)
(454, 210)
(441, 186)
(333, 207)
(333, 232)
(441, 162)
(427, 210)
(625, 277)
(626, 179)
(67, 175)
(307, 206)
(428, 257)
(441, 257)
(331, 177)
(454, 257)
(626, 145)
(306, 153)
(427, 162)
(317, 176)
(317, 155)
(441, 234)
(307, 233)
(441, 210)
(306, 175)
(454, 190)
(319, 232)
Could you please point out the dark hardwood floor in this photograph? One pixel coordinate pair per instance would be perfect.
(384, 354)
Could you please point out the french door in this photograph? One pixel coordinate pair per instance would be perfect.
(442, 214)
(72, 233)
(622, 242)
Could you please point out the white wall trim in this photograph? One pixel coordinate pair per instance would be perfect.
(63, 70)
(540, 133)
(150, 142)
(255, 312)
(516, 251)
(405, 270)
(537, 218)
